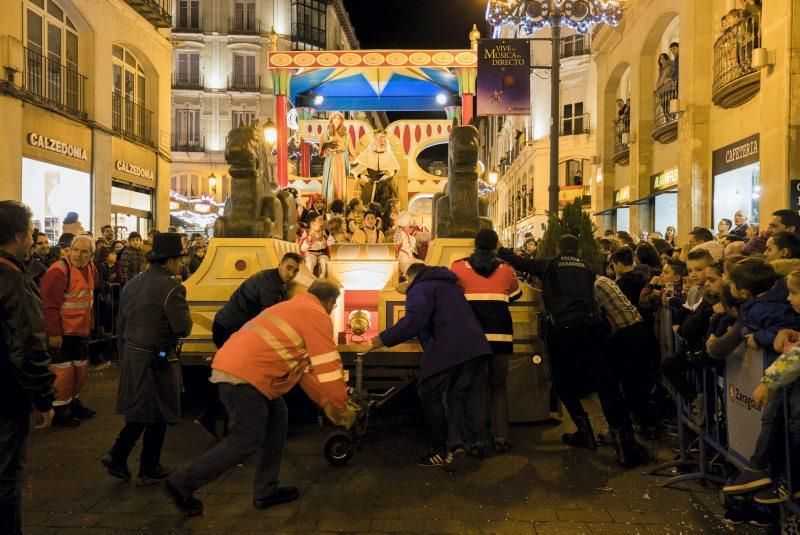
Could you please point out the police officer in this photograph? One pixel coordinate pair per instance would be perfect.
(572, 334)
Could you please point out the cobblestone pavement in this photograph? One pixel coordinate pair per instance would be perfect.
(541, 486)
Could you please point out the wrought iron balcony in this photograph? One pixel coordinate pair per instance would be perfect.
(156, 12)
(131, 120)
(185, 24)
(665, 124)
(244, 82)
(187, 80)
(54, 85)
(575, 124)
(735, 79)
(244, 26)
(622, 151)
(183, 141)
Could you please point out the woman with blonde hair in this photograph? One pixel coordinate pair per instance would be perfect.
(337, 149)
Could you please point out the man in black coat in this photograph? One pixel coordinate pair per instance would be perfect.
(153, 315)
(262, 290)
(25, 378)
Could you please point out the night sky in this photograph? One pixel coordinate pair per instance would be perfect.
(416, 23)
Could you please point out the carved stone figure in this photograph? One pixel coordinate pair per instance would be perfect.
(255, 207)
(457, 211)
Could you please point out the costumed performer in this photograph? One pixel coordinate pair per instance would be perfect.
(337, 148)
(377, 179)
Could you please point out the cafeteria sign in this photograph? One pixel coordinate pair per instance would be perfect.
(504, 84)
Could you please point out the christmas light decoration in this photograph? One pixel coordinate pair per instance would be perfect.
(531, 15)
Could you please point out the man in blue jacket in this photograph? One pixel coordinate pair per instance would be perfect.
(455, 353)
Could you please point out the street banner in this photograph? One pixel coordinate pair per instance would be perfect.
(504, 83)
(743, 371)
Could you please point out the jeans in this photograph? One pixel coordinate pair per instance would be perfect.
(14, 430)
(151, 445)
(449, 425)
(256, 425)
(498, 393)
(214, 408)
(771, 444)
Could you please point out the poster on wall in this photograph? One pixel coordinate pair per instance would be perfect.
(504, 84)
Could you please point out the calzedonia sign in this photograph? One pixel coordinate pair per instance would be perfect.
(57, 146)
(135, 170)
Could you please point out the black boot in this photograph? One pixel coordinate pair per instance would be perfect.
(629, 452)
(63, 417)
(80, 411)
(583, 437)
(116, 467)
(619, 448)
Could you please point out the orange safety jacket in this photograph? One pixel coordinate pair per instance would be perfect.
(67, 296)
(288, 343)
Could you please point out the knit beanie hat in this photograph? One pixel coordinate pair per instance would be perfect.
(486, 240)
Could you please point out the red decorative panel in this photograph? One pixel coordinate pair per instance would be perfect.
(417, 133)
(406, 139)
(438, 129)
(429, 130)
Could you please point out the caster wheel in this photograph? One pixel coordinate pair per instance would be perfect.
(725, 500)
(339, 449)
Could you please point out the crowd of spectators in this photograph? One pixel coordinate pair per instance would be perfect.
(714, 299)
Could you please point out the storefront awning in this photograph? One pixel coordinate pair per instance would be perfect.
(645, 200)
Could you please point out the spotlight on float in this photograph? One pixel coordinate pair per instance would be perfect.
(318, 100)
(359, 323)
(441, 99)
(270, 132)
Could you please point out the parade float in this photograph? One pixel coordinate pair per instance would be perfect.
(259, 222)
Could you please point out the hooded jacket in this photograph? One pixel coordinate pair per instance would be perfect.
(765, 315)
(438, 314)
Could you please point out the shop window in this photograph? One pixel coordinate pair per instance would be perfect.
(738, 189)
(51, 191)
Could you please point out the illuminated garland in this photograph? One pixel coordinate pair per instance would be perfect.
(531, 15)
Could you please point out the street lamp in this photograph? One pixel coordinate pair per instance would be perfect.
(532, 15)
(212, 183)
(493, 174)
(270, 132)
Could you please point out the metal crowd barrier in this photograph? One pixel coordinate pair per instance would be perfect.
(712, 432)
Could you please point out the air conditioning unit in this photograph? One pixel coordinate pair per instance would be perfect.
(675, 106)
(12, 54)
(763, 58)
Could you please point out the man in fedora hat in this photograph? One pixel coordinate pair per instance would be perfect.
(153, 315)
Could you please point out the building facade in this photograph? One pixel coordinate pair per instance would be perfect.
(220, 80)
(711, 131)
(84, 96)
(517, 148)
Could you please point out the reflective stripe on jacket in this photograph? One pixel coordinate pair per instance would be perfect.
(68, 292)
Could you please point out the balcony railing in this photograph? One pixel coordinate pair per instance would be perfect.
(131, 120)
(187, 80)
(244, 82)
(735, 79)
(665, 124)
(575, 45)
(244, 26)
(575, 124)
(53, 84)
(307, 34)
(622, 150)
(156, 12)
(568, 194)
(183, 141)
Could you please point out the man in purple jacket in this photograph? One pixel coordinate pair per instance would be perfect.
(455, 353)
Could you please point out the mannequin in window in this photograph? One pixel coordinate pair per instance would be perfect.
(337, 149)
(380, 165)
